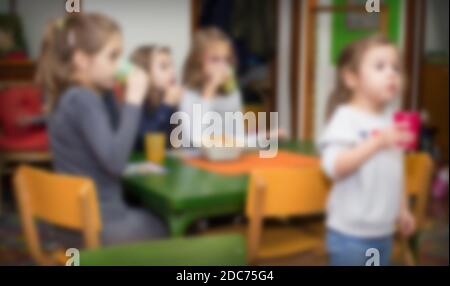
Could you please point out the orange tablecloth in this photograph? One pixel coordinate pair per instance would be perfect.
(248, 162)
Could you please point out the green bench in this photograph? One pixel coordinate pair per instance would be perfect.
(215, 250)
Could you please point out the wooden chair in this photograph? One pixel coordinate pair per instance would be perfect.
(419, 170)
(64, 201)
(418, 175)
(71, 202)
(283, 193)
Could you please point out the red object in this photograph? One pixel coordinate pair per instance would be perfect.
(17, 103)
(15, 55)
(412, 122)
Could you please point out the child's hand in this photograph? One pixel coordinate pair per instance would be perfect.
(407, 223)
(394, 136)
(282, 134)
(25, 121)
(173, 95)
(217, 75)
(278, 134)
(137, 85)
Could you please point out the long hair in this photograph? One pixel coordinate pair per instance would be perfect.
(350, 60)
(62, 37)
(193, 75)
(143, 57)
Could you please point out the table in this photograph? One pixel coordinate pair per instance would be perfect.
(186, 194)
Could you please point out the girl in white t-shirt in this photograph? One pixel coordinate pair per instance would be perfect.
(360, 153)
(207, 72)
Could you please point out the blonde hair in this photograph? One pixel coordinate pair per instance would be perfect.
(193, 76)
(350, 59)
(143, 57)
(62, 37)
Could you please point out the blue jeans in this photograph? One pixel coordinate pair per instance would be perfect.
(346, 250)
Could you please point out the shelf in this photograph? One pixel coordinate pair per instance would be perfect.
(17, 71)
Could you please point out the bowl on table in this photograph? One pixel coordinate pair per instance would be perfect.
(216, 148)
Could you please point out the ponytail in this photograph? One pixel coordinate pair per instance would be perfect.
(52, 70)
(340, 95)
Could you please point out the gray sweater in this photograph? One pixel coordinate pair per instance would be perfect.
(84, 142)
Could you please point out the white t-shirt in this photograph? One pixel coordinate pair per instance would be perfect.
(218, 104)
(366, 203)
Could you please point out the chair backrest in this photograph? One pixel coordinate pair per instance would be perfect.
(418, 175)
(62, 200)
(16, 102)
(284, 192)
(299, 191)
(288, 191)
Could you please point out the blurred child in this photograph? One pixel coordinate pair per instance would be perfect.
(208, 68)
(163, 93)
(360, 152)
(90, 135)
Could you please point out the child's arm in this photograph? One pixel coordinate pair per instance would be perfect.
(217, 77)
(348, 161)
(111, 148)
(32, 121)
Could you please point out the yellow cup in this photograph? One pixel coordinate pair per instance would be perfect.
(155, 147)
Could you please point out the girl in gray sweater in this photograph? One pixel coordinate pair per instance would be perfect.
(90, 134)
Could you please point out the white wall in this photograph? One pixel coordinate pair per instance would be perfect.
(35, 15)
(165, 22)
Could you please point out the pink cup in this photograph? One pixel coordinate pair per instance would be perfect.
(412, 122)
